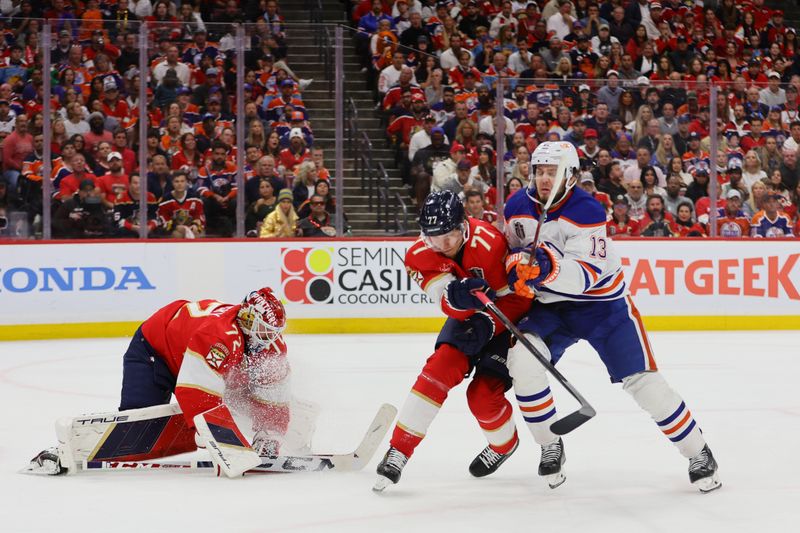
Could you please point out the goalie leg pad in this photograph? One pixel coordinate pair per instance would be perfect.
(229, 449)
(654, 395)
(532, 389)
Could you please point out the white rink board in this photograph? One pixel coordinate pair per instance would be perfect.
(97, 282)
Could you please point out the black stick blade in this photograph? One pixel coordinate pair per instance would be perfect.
(572, 421)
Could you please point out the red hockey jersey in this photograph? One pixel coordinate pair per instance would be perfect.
(482, 256)
(203, 347)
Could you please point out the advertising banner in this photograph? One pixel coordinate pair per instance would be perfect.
(356, 285)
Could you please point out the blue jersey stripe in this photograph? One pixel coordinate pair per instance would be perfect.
(673, 416)
(542, 418)
(534, 397)
(683, 435)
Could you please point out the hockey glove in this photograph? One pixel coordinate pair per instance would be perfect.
(461, 293)
(473, 334)
(548, 266)
(265, 445)
(525, 274)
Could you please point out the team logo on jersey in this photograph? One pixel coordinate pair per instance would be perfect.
(519, 230)
(216, 355)
(416, 276)
(307, 275)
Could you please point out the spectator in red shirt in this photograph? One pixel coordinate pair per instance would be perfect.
(687, 226)
(657, 222)
(114, 182)
(113, 105)
(97, 132)
(72, 182)
(120, 144)
(621, 224)
(16, 147)
(296, 153)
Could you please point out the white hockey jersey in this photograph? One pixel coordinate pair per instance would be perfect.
(575, 230)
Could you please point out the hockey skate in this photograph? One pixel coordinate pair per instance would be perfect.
(46, 462)
(488, 461)
(703, 471)
(553, 457)
(390, 469)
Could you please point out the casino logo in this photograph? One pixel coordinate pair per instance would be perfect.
(307, 275)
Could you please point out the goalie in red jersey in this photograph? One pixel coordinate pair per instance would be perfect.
(200, 351)
(455, 257)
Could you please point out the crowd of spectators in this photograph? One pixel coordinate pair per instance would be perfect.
(627, 82)
(191, 148)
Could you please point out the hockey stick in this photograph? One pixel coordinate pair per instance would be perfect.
(565, 424)
(347, 462)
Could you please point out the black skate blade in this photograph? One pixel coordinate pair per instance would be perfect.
(572, 421)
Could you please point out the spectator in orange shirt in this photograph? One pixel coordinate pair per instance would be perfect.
(734, 223)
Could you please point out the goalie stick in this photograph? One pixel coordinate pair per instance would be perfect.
(347, 462)
(565, 424)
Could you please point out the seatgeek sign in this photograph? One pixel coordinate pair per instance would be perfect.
(95, 282)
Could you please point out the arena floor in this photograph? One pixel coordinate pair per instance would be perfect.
(622, 475)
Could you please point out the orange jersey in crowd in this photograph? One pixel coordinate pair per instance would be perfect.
(483, 256)
(203, 347)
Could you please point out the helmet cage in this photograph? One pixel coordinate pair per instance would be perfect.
(261, 333)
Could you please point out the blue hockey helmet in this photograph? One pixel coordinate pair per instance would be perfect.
(441, 213)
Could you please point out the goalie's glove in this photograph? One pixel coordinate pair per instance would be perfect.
(461, 293)
(473, 334)
(265, 445)
(525, 274)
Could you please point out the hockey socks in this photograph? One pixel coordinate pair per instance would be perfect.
(538, 411)
(444, 370)
(532, 390)
(494, 413)
(673, 418)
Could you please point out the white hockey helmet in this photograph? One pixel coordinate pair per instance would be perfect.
(553, 153)
(262, 318)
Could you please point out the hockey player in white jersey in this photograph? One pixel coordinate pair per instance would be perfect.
(575, 275)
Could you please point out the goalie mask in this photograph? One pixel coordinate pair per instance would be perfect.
(565, 158)
(262, 319)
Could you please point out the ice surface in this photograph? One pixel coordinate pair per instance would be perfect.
(622, 475)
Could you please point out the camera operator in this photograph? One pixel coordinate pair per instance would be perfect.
(81, 215)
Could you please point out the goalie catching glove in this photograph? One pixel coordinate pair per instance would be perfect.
(526, 273)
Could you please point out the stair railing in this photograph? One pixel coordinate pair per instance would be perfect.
(400, 215)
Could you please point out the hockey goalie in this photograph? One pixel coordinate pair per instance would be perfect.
(216, 358)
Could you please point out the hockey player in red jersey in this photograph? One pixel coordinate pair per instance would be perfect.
(204, 349)
(199, 351)
(455, 257)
